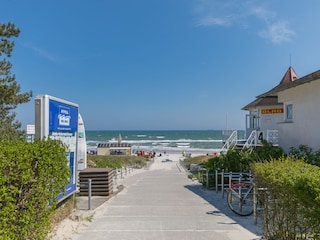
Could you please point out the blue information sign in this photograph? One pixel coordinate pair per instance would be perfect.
(58, 119)
(63, 125)
(62, 117)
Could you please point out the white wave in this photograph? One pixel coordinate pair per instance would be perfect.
(183, 144)
(163, 147)
(172, 141)
(176, 145)
(174, 149)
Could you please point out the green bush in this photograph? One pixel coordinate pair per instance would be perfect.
(292, 203)
(32, 176)
(232, 161)
(240, 161)
(266, 152)
(307, 154)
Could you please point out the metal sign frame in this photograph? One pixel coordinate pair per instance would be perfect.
(58, 119)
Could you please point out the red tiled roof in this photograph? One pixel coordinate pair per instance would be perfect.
(289, 76)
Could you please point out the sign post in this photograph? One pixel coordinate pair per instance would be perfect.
(58, 119)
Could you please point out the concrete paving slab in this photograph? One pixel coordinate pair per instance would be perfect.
(162, 203)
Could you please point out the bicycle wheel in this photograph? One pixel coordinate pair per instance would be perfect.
(241, 205)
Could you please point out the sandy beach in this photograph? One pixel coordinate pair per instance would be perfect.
(81, 218)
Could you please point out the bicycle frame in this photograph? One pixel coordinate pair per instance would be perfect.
(241, 202)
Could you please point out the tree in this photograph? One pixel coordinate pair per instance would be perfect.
(10, 95)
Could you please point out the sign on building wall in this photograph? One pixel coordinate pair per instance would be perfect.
(58, 119)
(272, 111)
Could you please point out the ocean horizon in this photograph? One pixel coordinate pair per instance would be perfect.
(163, 140)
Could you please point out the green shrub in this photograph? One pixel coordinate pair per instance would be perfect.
(232, 161)
(240, 161)
(292, 203)
(32, 176)
(307, 154)
(266, 152)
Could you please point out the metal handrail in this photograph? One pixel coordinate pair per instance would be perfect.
(251, 141)
(231, 141)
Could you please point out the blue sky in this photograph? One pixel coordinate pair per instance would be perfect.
(160, 64)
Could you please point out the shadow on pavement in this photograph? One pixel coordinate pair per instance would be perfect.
(221, 208)
(96, 201)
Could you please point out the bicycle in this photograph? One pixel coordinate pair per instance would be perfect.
(240, 196)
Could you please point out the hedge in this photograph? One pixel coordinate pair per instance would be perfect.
(31, 178)
(292, 201)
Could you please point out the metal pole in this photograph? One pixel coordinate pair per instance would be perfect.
(89, 193)
(207, 176)
(115, 171)
(230, 179)
(254, 204)
(222, 183)
(216, 181)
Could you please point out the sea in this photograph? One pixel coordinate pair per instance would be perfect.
(163, 140)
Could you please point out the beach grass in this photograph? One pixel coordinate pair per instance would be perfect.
(196, 160)
(115, 161)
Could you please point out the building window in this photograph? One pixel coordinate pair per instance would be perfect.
(289, 113)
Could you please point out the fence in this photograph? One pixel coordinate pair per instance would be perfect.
(121, 172)
(223, 181)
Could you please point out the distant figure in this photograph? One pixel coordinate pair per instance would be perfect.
(260, 136)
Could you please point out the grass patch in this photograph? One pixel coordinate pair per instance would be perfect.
(113, 161)
(196, 160)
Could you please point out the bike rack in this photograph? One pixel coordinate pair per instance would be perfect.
(255, 202)
(232, 177)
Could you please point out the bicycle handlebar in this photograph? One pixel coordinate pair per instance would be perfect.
(245, 175)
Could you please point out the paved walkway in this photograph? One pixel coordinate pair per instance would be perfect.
(162, 203)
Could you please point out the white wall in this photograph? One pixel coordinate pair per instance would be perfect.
(305, 126)
(266, 121)
(270, 121)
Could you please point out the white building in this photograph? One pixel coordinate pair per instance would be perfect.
(266, 111)
(301, 103)
(289, 112)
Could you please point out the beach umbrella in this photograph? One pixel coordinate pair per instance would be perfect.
(119, 138)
